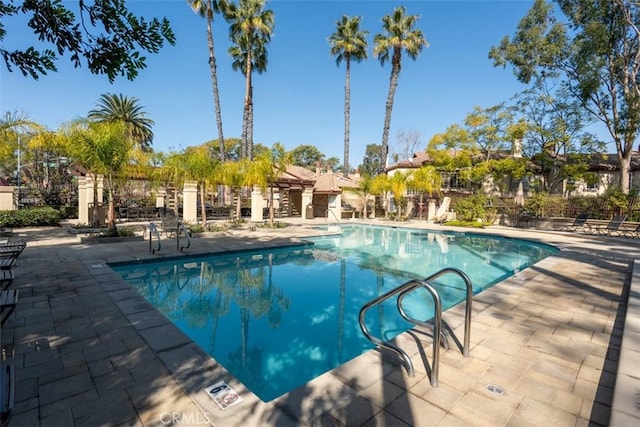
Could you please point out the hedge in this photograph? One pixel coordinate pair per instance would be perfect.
(30, 217)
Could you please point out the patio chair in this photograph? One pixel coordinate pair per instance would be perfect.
(7, 391)
(632, 232)
(614, 226)
(8, 301)
(579, 223)
(441, 213)
(6, 278)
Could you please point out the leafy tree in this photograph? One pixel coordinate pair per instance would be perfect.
(306, 156)
(598, 53)
(349, 42)
(109, 38)
(14, 128)
(250, 29)
(207, 9)
(373, 161)
(398, 35)
(333, 163)
(554, 139)
(44, 167)
(120, 108)
(488, 129)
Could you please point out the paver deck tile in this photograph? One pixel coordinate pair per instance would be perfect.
(545, 335)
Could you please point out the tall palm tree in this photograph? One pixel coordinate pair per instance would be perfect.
(120, 108)
(398, 35)
(347, 43)
(207, 9)
(250, 28)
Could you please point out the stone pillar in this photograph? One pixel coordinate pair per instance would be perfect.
(257, 204)
(190, 202)
(7, 202)
(83, 204)
(161, 198)
(307, 200)
(335, 207)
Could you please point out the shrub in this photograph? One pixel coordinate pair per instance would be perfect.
(30, 217)
(472, 208)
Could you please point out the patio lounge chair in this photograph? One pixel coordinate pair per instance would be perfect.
(441, 213)
(7, 391)
(8, 301)
(6, 277)
(612, 227)
(579, 223)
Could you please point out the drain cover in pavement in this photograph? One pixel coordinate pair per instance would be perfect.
(495, 389)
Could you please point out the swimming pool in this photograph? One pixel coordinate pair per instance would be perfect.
(278, 318)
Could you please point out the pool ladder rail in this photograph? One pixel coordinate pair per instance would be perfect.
(437, 323)
(154, 233)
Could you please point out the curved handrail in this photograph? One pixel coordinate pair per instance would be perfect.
(402, 291)
(437, 324)
(182, 228)
(410, 285)
(154, 231)
(468, 303)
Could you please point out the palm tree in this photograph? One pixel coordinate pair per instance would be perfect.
(104, 148)
(120, 108)
(207, 9)
(199, 167)
(398, 35)
(235, 175)
(427, 179)
(250, 28)
(266, 170)
(347, 43)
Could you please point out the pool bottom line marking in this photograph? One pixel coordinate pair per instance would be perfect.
(223, 395)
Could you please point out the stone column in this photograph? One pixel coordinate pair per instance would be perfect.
(257, 204)
(161, 198)
(190, 202)
(7, 200)
(307, 200)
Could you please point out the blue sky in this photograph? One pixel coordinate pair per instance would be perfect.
(300, 99)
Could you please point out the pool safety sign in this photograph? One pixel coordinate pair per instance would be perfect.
(223, 394)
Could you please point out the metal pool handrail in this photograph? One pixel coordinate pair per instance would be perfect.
(182, 229)
(153, 231)
(468, 303)
(402, 291)
(407, 287)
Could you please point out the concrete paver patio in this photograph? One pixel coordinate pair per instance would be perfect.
(90, 351)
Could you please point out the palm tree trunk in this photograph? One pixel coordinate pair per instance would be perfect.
(111, 215)
(95, 218)
(203, 209)
(347, 113)
(393, 83)
(247, 151)
(214, 83)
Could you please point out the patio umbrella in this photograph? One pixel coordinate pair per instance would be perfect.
(520, 195)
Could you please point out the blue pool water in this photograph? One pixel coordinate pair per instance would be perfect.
(278, 318)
